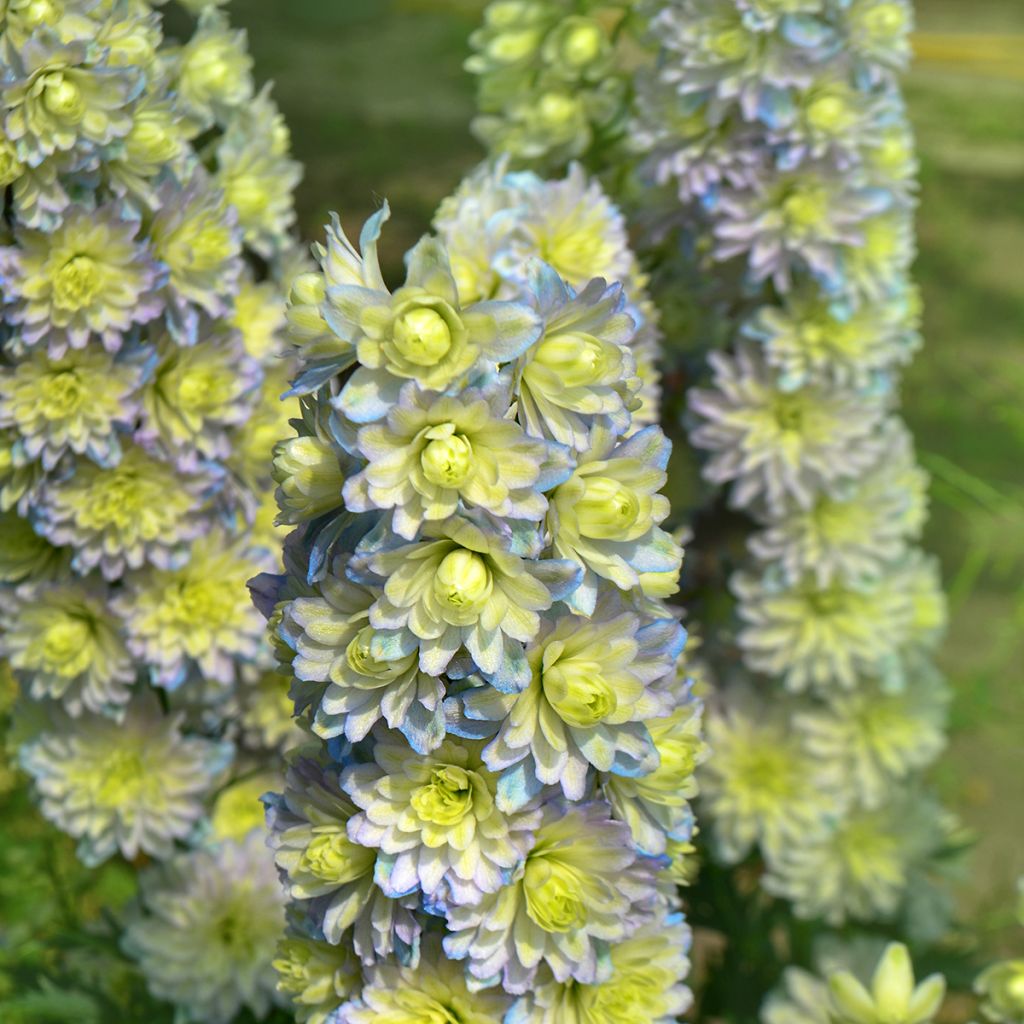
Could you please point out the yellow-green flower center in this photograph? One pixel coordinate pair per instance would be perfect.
(208, 70)
(62, 394)
(557, 109)
(608, 509)
(554, 895)
(730, 44)
(577, 359)
(77, 283)
(209, 247)
(447, 798)
(828, 114)
(448, 458)
(333, 857)
(805, 208)
(582, 44)
(248, 194)
(359, 655)
(64, 640)
(884, 21)
(576, 689)
(122, 778)
(463, 581)
(422, 336)
(62, 97)
(151, 139)
(789, 412)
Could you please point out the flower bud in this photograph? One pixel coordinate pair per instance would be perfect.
(608, 509)
(554, 896)
(422, 336)
(447, 798)
(448, 459)
(463, 583)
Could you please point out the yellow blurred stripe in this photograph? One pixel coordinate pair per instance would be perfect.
(996, 56)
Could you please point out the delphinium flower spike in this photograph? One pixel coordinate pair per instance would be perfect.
(144, 258)
(474, 619)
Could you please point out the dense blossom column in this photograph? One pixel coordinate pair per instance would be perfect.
(474, 619)
(144, 255)
(768, 170)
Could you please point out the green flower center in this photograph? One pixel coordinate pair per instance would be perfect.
(422, 336)
(554, 895)
(828, 114)
(64, 639)
(62, 394)
(463, 581)
(608, 509)
(208, 69)
(577, 691)
(248, 194)
(122, 779)
(789, 412)
(209, 247)
(731, 44)
(447, 798)
(62, 97)
(447, 460)
(360, 658)
(333, 857)
(557, 109)
(576, 359)
(805, 208)
(884, 21)
(77, 283)
(150, 140)
(582, 44)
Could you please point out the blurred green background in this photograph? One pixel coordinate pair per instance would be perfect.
(379, 106)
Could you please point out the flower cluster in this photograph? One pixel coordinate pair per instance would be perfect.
(552, 85)
(780, 128)
(474, 618)
(146, 247)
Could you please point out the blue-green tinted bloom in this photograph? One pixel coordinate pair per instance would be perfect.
(859, 866)
(206, 930)
(196, 237)
(645, 985)
(90, 276)
(436, 821)
(784, 446)
(606, 516)
(755, 788)
(257, 179)
(434, 453)
(79, 403)
(135, 785)
(316, 976)
(420, 333)
(580, 375)
(878, 737)
(196, 617)
(581, 887)
(461, 586)
(435, 990)
(136, 512)
(586, 706)
(63, 641)
(213, 70)
(349, 687)
(58, 97)
(331, 873)
(194, 394)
